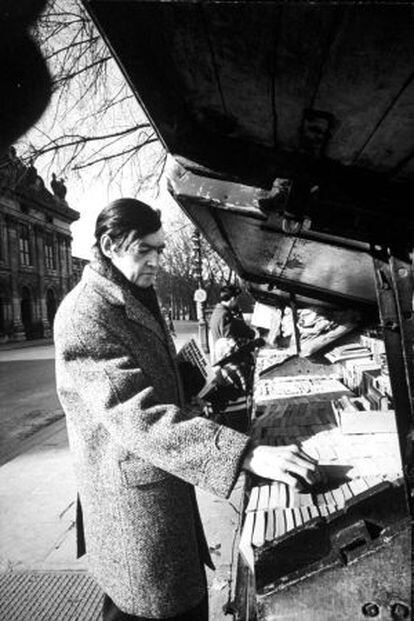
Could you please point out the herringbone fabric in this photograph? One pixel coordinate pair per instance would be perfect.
(137, 451)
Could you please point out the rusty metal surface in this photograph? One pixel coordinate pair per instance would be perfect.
(323, 267)
(259, 92)
(379, 582)
(394, 282)
(337, 540)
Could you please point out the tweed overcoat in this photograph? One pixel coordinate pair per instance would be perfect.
(137, 450)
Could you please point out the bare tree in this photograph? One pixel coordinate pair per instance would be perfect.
(216, 272)
(177, 282)
(94, 121)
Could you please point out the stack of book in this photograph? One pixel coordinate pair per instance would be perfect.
(375, 390)
(295, 386)
(351, 351)
(382, 383)
(356, 467)
(354, 416)
(375, 345)
(364, 370)
(269, 359)
(353, 372)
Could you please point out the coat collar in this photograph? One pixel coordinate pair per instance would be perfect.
(118, 295)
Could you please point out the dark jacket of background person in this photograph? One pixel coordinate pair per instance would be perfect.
(229, 323)
(137, 451)
(229, 331)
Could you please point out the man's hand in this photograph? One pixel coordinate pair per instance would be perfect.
(288, 464)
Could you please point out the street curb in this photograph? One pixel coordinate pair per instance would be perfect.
(39, 437)
(23, 344)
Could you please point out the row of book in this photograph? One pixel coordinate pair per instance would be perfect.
(355, 466)
(284, 387)
(354, 415)
(364, 371)
(376, 346)
(372, 346)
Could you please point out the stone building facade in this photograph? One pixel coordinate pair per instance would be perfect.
(78, 266)
(35, 251)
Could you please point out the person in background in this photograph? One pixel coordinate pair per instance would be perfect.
(138, 449)
(167, 314)
(227, 323)
(170, 322)
(229, 332)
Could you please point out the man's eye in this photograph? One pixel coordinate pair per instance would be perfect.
(160, 251)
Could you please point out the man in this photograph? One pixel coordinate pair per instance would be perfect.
(138, 450)
(229, 331)
(227, 323)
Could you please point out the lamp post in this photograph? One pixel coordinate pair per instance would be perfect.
(200, 295)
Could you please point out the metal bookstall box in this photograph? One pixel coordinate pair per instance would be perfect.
(290, 133)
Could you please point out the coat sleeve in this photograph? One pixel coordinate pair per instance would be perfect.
(120, 396)
(226, 326)
(232, 325)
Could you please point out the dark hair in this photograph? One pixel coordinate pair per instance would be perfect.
(229, 291)
(121, 217)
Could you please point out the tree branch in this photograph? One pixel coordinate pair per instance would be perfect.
(70, 76)
(71, 46)
(106, 158)
(84, 139)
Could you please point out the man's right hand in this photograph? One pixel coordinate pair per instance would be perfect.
(288, 464)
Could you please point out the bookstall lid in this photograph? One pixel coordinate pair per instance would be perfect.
(291, 129)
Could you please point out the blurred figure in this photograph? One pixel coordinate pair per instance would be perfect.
(229, 332)
(227, 323)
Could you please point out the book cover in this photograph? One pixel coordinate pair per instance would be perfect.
(196, 371)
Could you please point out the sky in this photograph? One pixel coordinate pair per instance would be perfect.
(86, 110)
(90, 193)
(90, 198)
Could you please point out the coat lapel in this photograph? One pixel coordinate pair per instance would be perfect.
(135, 311)
(118, 295)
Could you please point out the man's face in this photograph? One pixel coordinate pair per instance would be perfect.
(140, 261)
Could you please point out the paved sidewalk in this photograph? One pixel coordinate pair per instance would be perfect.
(40, 578)
(9, 345)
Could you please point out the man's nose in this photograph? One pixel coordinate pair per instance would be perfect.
(153, 259)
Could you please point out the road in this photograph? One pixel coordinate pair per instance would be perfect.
(27, 393)
(27, 390)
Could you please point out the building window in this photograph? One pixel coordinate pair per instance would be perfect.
(2, 253)
(24, 245)
(68, 256)
(49, 252)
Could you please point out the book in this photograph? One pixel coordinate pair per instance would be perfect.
(295, 386)
(197, 373)
(353, 369)
(367, 421)
(355, 416)
(348, 352)
(376, 345)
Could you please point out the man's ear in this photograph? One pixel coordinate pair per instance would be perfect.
(106, 245)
